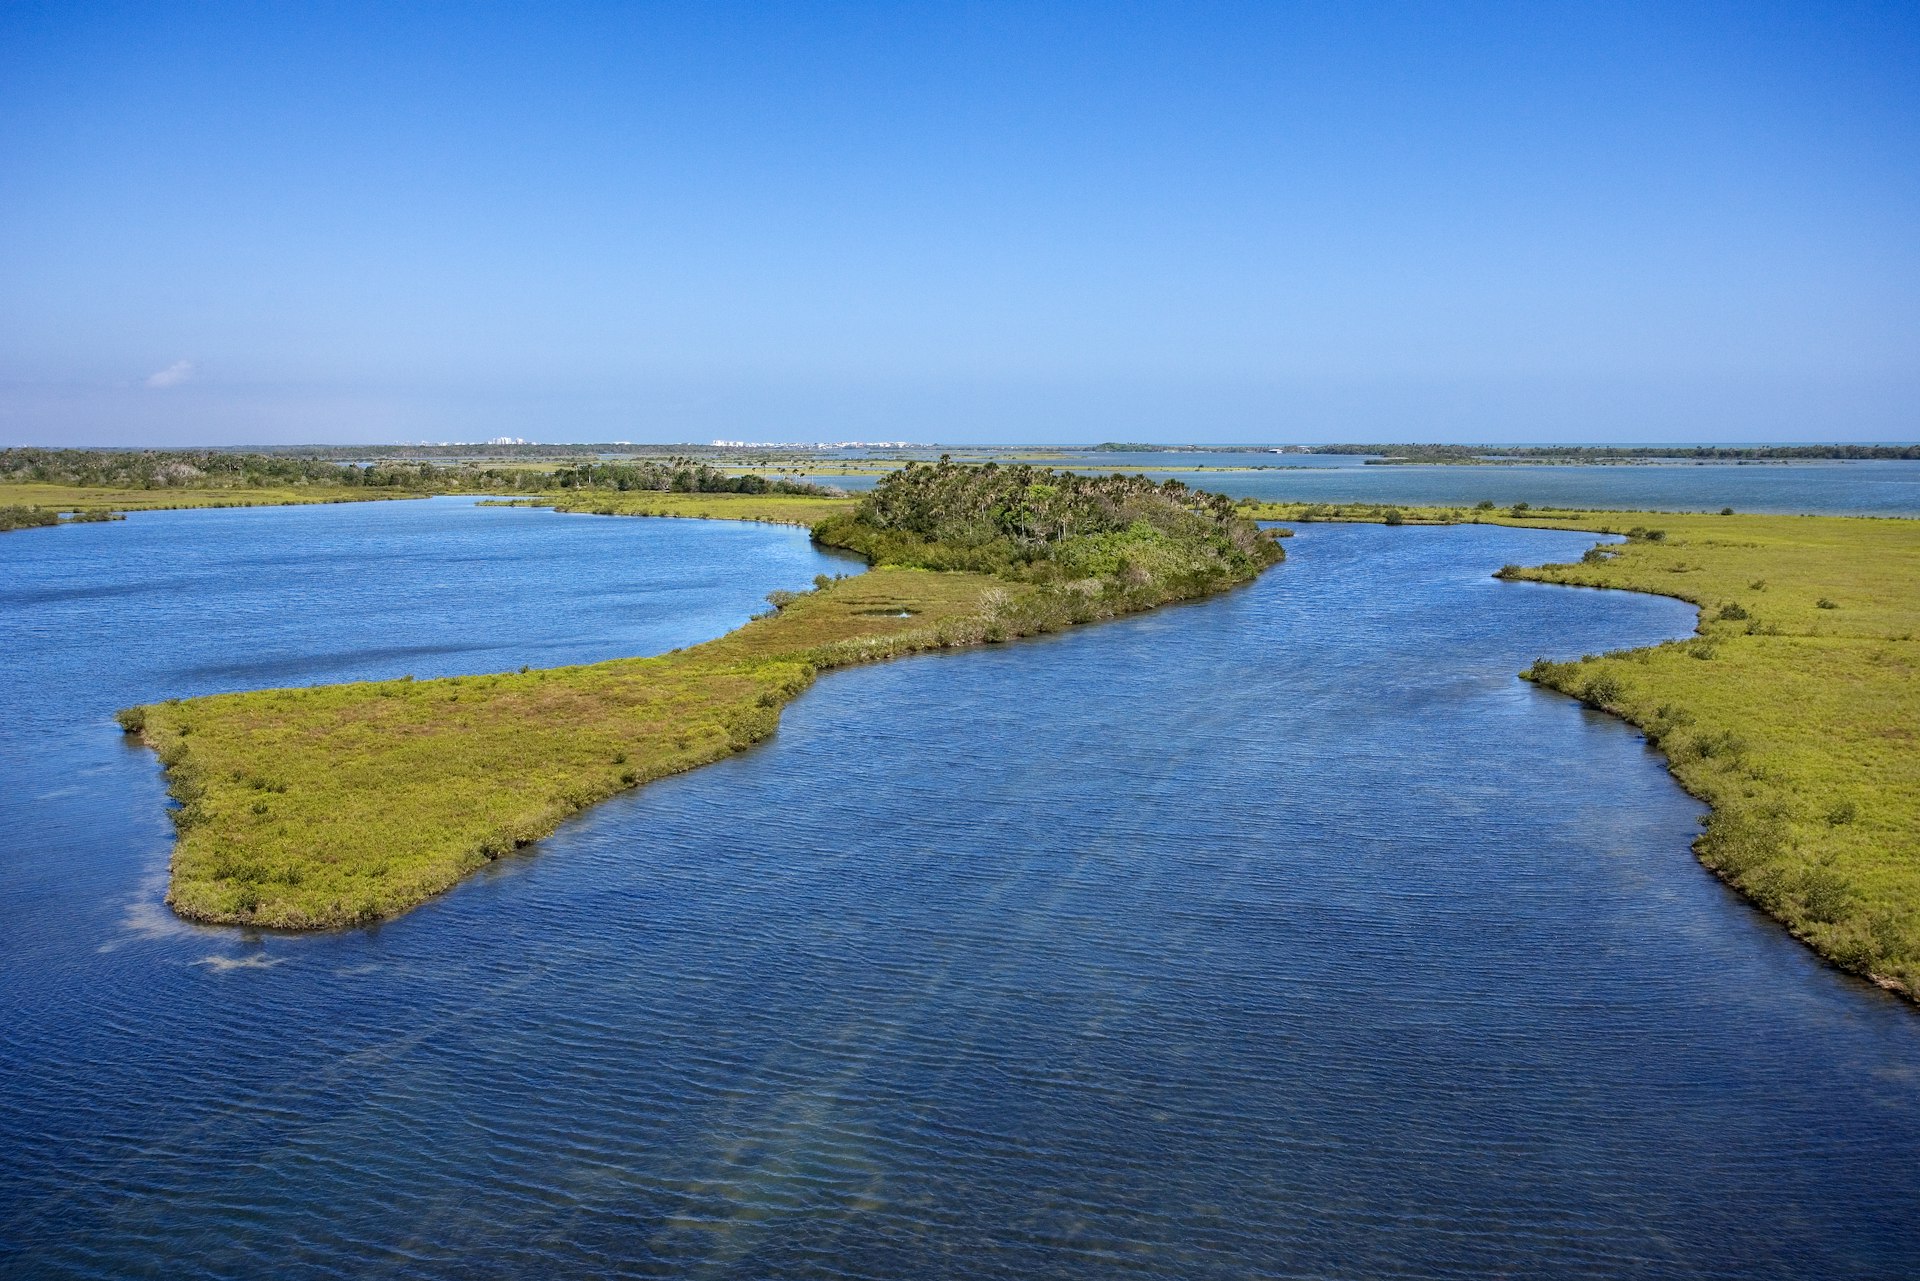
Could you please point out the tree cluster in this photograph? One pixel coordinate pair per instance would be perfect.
(1034, 523)
(224, 469)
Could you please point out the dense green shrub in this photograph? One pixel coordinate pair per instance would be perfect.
(1040, 526)
(26, 518)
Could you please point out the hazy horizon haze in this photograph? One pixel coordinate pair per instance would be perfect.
(967, 223)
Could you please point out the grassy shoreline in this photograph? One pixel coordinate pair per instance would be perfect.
(1793, 712)
(772, 509)
(54, 499)
(339, 805)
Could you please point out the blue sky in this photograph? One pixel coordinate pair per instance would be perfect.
(959, 222)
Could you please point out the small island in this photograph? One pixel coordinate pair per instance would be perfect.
(341, 805)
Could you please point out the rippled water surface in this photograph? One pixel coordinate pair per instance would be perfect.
(1284, 934)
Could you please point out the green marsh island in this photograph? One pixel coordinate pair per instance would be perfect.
(335, 805)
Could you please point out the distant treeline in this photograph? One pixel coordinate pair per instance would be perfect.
(183, 469)
(1619, 453)
(678, 475)
(219, 469)
(355, 453)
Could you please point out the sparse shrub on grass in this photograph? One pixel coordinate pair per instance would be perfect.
(12, 518)
(1603, 690)
(1824, 895)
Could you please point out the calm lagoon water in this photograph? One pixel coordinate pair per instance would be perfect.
(1889, 488)
(1284, 934)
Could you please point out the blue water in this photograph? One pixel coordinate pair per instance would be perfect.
(1838, 488)
(1283, 934)
(1888, 488)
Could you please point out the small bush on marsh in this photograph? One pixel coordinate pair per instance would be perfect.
(1603, 690)
(1824, 895)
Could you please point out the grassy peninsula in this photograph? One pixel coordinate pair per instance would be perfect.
(83, 500)
(773, 508)
(329, 806)
(1794, 712)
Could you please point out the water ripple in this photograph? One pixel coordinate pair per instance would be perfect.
(1284, 935)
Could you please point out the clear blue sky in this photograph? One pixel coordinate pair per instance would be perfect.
(959, 222)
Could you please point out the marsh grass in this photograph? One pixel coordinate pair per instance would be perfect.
(85, 500)
(337, 805)
(1798, 722)
(778, 509)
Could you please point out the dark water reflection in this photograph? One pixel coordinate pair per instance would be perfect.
(1281, 935)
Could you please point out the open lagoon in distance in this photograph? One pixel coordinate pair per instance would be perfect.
(1281, 934)
(1822, 487)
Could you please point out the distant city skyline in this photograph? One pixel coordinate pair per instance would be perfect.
(962, 224)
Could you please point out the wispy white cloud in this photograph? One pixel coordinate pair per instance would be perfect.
(173, 375)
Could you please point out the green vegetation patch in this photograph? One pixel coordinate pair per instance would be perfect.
(1032, 525)
(91, 471)
(24, 517)
(317, 808)
(775, 507)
